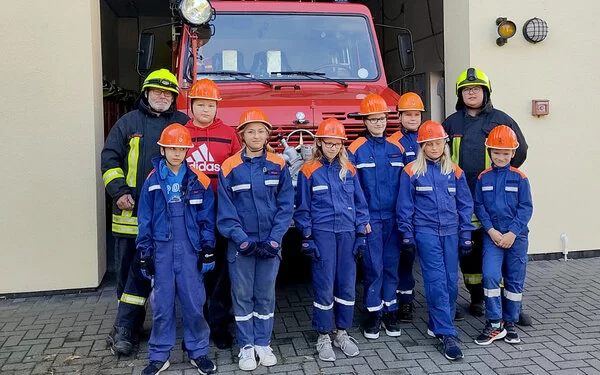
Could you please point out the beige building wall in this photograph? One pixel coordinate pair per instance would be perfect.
(563, 159)
(52, 197)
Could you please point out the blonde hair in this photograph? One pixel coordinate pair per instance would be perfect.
(420, 165)
(268, 147)
(342, 158)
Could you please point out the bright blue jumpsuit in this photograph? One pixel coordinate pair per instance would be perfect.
(406, 279)
(175, 232)
(332, 211)
(379, 162)
(435, 209)
(256, 203)
(503, 202)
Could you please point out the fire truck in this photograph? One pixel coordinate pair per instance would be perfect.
(300, 62)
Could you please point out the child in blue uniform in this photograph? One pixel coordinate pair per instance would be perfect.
(256, 204)
(504, 207)
(175, 245)
(378, 161)
(434, 215)
(410, 108)
(332, 213)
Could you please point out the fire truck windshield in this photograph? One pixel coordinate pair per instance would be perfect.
(261, 46)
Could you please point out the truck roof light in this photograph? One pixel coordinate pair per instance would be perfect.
(196, 12)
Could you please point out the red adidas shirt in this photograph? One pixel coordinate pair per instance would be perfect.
(212, 145)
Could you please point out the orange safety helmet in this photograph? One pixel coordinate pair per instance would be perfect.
(205, 89)
(253, 115)
(430, 131)
(410, 102)
(175, 135)
(331, 128)
(372, 104)
(502, 137)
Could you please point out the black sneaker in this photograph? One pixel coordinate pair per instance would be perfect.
(204, 365)
(477, 308)
(222, 338)
(371, 325)
(120, 341)
(155, 367)
(392, 328)
(490, 334)
(458, 316)
(524, 319)
(450, 347)
(405, 313)
(512, 337)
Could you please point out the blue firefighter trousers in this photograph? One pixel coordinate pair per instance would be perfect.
(177, 274)
(380, 266)
(508, 263)
(253, 295)
(438, 256)
(333, 280)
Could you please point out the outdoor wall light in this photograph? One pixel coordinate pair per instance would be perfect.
(506, 30)
(535, 30)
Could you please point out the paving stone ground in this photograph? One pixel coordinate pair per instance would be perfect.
(65, 334)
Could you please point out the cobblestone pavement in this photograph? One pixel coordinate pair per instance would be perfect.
(66, 334)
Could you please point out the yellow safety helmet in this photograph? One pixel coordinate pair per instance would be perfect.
(161, 79)
(473, 77)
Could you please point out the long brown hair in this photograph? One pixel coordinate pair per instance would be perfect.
(268, 147)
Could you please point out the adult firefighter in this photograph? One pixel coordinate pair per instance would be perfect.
(378, 160)
(126, 161)
(468, 129)
(214, 142)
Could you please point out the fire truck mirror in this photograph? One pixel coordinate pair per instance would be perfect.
(405, 49)
(145, 52)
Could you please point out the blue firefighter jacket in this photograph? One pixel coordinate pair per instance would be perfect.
(378, 162)
(434, 203)
(503, 200)
(408, 140)
(256, 198)
(154, 220)
(326, 202)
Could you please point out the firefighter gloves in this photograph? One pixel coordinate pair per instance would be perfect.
(465, 246)
(360, 245)
(247, 247)
(206, 260)
(408, 245)
(309, 248)
(268, 249)
(146, 264)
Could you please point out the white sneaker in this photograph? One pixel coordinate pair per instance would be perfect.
(247, 357)
(265, 356)
(347, 343)
(324, 348)
(430, 333)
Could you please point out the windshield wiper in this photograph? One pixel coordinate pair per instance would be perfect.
(237, 74)
(312, 74)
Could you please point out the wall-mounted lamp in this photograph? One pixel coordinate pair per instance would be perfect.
(506, 30)
(535, 30)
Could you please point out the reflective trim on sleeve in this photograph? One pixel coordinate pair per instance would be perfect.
(390, 303)
(410, 153)
(271, 182)
(323, 307)
(404, 291)
(153, 187)
(376, 308)
(240, 187)
(133, 300)
(477, 224)
(343, 301)
(111, 174)
(124, 229)
(263, 317)
(132, 161)
(365, 165)
(456, 149)
(196, 201)
(511, 188)
(397, 164)
(473, 278)
(487, 188)
(424, 188)
(126, 219)
(516, 297)
(320, 187)
(491, 292)
(243, 318)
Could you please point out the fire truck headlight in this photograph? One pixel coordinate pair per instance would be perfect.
(196, 12)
